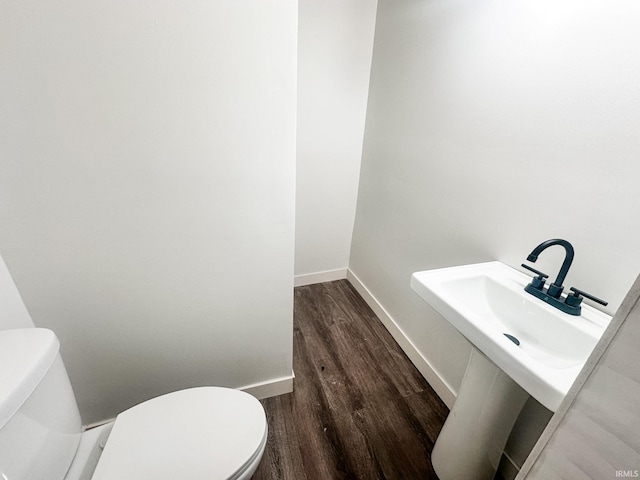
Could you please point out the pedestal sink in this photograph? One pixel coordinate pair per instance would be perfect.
(522, 347)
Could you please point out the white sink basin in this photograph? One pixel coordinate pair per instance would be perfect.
(486, 300)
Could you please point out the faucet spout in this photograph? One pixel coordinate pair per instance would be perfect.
(555, 289)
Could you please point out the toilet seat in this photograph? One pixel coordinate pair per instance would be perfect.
(198, 433)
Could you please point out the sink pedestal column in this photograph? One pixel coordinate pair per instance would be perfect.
(471, 442)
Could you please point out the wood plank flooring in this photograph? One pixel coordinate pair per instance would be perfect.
(360, 409)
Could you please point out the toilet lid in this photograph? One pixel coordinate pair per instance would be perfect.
(199, 433)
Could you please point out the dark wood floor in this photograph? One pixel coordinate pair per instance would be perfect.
(360, 409)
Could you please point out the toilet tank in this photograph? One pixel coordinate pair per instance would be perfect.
(39, 420)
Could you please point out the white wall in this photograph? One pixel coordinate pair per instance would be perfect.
(334, 59)
(13, 313)
(493, 125)
(147, 189)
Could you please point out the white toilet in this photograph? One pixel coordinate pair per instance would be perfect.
(199, 433)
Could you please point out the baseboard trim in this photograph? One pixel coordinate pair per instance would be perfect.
(319, 277)
(441, 387)
(271, 388)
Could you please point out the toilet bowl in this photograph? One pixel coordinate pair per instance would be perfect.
(197, 433)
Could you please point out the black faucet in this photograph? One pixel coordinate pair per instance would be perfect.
(553, 294)
(555, 289)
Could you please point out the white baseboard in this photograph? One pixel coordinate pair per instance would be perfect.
(441, 387)
(270, 388)
(319, 277)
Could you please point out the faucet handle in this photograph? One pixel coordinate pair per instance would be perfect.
(537, 272)
(537, 282)
(575, 298)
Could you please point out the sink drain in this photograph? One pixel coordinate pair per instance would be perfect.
(512, 338)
